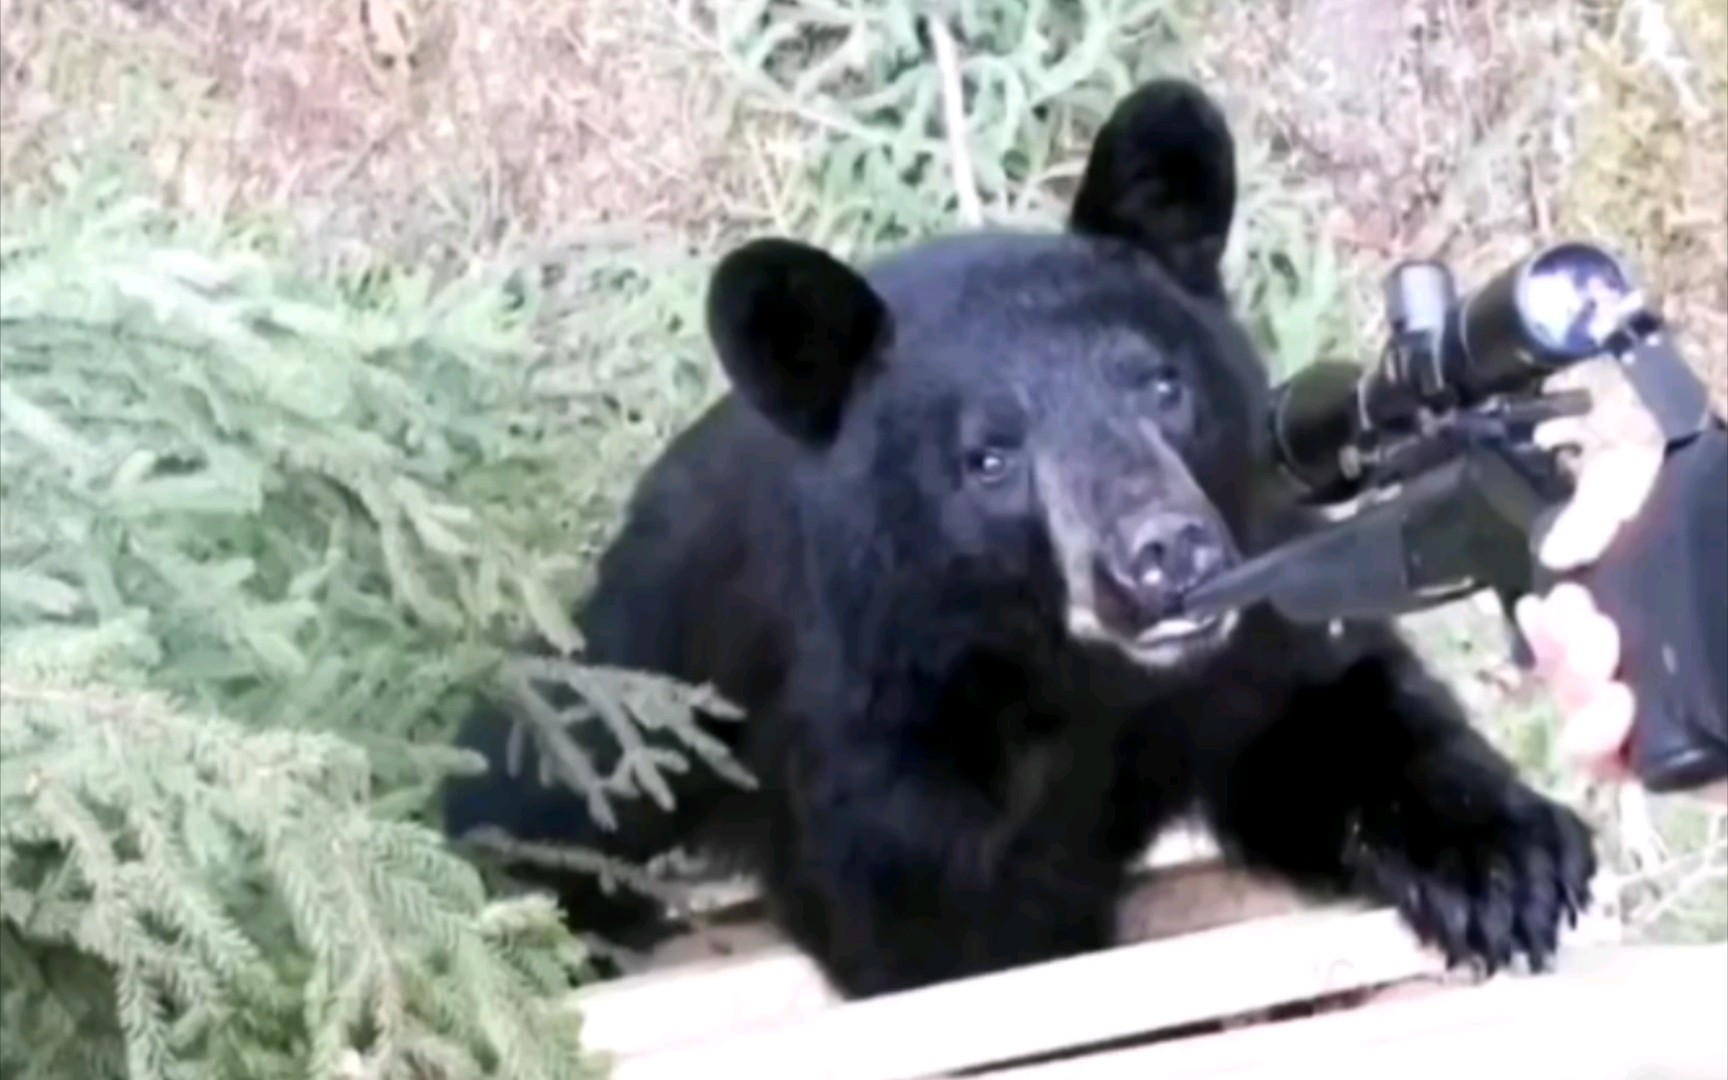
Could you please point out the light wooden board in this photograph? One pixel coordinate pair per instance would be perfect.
(1609, 1013)
(699, 995)
(1200, 896)
(1099, 997)
(731, 923)
(705, 995)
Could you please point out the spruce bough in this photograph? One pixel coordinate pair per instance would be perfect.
(263, 538)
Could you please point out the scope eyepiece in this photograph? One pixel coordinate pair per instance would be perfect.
(1553, 309)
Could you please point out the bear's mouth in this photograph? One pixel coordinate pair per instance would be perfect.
(1178, 628)
(1150, 637)
(1180, 639)
(1170, 642)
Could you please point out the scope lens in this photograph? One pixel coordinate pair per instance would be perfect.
(1573, 297)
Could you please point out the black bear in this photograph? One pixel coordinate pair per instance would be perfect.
(936, 543)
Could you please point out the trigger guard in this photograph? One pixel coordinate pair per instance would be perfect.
(1518, 648)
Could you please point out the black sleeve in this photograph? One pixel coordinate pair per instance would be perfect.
(1664, 581)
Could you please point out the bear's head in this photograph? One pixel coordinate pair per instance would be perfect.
(1012, 434)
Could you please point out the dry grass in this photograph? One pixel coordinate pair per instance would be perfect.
(1473, 130)
(1468, 129)
(1653, 158)
(400, 125)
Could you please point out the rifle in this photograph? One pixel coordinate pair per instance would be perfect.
(1430, 455)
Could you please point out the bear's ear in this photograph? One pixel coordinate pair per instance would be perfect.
(794, 328)
(1162, 176)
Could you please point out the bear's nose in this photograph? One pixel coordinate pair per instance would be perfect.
(1174, 554)
(1158, 560)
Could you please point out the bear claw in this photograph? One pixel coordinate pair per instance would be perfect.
(1485, 891)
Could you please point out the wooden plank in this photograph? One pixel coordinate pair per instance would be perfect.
(742, 976)
(734, 939)
(707, 995)
(1201, 896)
(1184, 844)
(1032, 1010)
(703, 1000)
(1178, 896)
(1608, 1013)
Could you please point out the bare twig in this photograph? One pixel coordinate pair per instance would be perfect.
(1682, 891)
(1638, 832)
(1661, 875)
(1541, 218)
(954, 121)
(1656, 45)
(769, 93)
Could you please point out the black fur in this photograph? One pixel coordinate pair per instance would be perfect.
(886, 548)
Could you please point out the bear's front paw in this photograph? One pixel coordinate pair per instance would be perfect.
(1480, 876)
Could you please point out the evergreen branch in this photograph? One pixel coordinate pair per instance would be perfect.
(129, 832)
(313, 497)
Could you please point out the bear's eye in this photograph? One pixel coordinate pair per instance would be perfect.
(988, 463)
(1165, 385)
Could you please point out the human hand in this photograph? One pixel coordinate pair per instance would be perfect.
(1576, 646)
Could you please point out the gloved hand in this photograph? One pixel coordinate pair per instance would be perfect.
(1576, 646)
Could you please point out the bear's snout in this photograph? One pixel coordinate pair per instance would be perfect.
(1152, 562)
